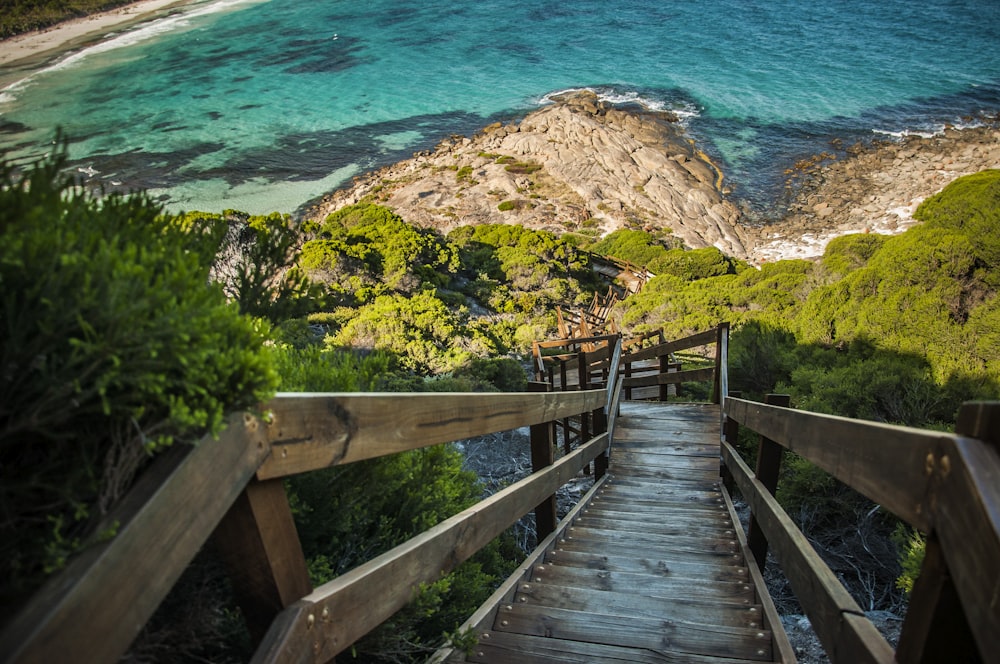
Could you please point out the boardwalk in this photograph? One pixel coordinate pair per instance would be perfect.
(651, 569)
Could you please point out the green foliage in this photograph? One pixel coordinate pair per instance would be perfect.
(521, 167)
(912, 545)
(253, 258)
(365, 249)
(636, 247)
(850, 252)
(315, 368)
(970, 204)
(507, 206)
(114, 345)
(19, 16)
(694, 264)
(420, 329)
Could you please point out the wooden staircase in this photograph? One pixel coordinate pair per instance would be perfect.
(651, 568)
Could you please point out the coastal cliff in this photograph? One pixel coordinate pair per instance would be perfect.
(583, 165)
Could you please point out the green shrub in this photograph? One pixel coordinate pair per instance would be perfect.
(637, 247)
(522, 167)
(114, 345)
(507, 206)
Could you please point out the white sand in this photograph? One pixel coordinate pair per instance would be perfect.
(40, 44)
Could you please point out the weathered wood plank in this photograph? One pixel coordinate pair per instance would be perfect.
(967, 521)
(650, 453)
(824, 599)
(856, 453)
(717, 546)
(781, 646)
(643, 583)
(510, 648)
(668, 551)
(673, 604)
(311, 431)
(653, 634)
(346, 608)
(87, 612)
(694, 341)
(648, 565)
(258, 541)
(664, 527)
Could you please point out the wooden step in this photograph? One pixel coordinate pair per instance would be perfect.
(510, 648)
(741, 613)
(648, 565)
(645, 584)
(631, 631)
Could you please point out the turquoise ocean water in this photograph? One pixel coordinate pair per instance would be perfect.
(264, 105)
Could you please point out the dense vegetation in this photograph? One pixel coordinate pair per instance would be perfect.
(113, 346)
(25, 15)
(127, 330)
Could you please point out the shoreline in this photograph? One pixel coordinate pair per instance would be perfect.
(32, 49)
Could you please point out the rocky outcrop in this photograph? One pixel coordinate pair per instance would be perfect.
(582, 165)
(875, 189)
(576, 165)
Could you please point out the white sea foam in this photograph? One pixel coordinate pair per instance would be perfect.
(930, 132)
(684, 111)
(143, 32)
(903, 133)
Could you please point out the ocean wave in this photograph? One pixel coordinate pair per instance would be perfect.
(113, 41)
(683, 110)
(930, 131)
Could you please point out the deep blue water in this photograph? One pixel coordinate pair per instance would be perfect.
(264, 105)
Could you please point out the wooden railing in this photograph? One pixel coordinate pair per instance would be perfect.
(655, 366)
(946, 485)
(232, 487)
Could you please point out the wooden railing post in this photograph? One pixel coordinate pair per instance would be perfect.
(600, 426)
(664, 368)
(731, 434)
(584, 378)
(628, 374)
(543, 455)
(260, 546)
(768, 467)
(936, 628)
(721, 356)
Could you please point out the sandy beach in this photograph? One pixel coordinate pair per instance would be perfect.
(34, 47)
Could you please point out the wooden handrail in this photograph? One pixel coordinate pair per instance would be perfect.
(338, 613)
(693, 341)
(95, 607)
(940, 483)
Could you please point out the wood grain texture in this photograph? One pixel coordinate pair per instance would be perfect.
(694, 341)
(649, 570)
(857, 453)
(312, 431)
(362, 598)
(260, 546)
(821, 594)
(100, 602)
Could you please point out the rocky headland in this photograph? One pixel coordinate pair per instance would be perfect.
(577, 164)
(583, 165)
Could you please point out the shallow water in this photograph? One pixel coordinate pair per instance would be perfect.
(264, 105)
